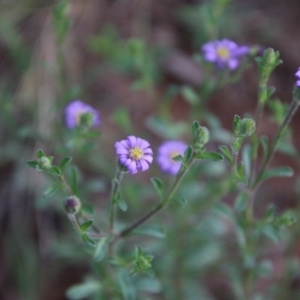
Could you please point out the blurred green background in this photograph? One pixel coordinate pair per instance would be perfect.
(131, 60)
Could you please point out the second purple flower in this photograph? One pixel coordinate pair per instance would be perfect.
(166, 152)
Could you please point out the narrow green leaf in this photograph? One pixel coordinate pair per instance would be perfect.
(86, 208)
(188, 154)
(88, 240)
(236, 124)
(182, 201)
(153, 231)
(241, 202)
(101, 249)
(84, 226)
(213, 156)
(51, 190)
(240, 175)
(189, 95)
(158, 185)
(40, 153)
(83, 290)
(55, 171)
(126, 286)
(227, 154)
(195, 127)
(92, 134)
(246, 155)
(264, 143)
(178, 158)
(272, 232)
(33, 164)
(278, 172)
(122, 204)
(64, 163)
(74, 180)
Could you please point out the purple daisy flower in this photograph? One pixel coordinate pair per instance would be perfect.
(298, 77)
(224, 53)
(134, 153)
(166, 152)
(75, 110)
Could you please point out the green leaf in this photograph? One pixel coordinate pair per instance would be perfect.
(166, 129)
(83, 290)
(64, 163)
(188, 154)
(236, 124)
(178, 158)
(153, 231)
(182, 201)
(92, 134)
(246, 155)
(84, 226)
(264, 143)
(40, 153)
(195, 127)
(101, 249)
(51, 190)
(278, 172)
(127, 289)
(189, 95)
(122, 204)
(33, 164)
(241, 202)
(74, 180)
(272, 232)
(227, 154)
(88, 240)
(240, 174)
(212, 156)
(86, 208)
(55, 171)
(158, 185)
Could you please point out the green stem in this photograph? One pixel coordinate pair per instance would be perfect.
(159, 206)
(116, 183)
(74, 222)
(293, 108)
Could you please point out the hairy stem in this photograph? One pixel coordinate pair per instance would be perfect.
(116, 183)
(292, 109)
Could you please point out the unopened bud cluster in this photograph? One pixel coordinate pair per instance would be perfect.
(72, 205)
(200, 136)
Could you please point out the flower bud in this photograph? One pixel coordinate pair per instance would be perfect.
(72, 205)
(270, 56)
(246, 127)
(201, 136)
(267, 63)
(45, 163)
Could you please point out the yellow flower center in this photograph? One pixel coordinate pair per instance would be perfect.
(223, 52)
(136, 153)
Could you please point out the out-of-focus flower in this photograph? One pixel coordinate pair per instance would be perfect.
(166, 152)
(298, 77)
(134, 153)
(224, 53)
(79, 113)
